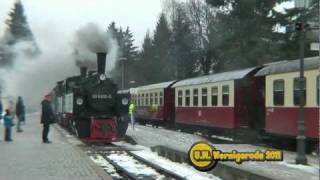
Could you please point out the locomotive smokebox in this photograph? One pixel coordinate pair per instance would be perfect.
(101, 62)
(83, 71)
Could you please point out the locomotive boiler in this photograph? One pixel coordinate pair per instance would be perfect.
(88, 105)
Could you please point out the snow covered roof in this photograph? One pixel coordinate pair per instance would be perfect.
(126, 91)
(289, 66)
(155, 86)
(225, 76)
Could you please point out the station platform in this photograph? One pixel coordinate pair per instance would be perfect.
(27, 158)
(178, 143)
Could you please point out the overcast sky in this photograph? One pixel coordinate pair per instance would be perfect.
(51, 19)
(64, 17)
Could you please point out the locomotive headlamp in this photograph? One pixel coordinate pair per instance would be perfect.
(102, 77)
(79, 101)
(125, 101)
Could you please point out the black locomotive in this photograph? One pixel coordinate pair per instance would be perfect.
(88, 105)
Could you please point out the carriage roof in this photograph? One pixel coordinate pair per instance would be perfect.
(289, 66)
(225, 76)
(154, 86)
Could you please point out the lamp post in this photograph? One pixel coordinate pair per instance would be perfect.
(122, 59)
(301, 139)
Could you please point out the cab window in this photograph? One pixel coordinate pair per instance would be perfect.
(278, 92)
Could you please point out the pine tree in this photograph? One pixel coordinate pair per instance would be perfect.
(146, 61)
(182, 43)
(252, 38)
(19, 29)
(162, 59)
(127, 55)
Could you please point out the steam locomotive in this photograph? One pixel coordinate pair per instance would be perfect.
(88, 105)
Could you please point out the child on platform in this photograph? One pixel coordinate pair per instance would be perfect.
(8, 123)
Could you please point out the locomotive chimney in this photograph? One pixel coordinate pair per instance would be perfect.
(83, 71)
(101, 63)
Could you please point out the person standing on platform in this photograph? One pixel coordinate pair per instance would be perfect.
(1, 108)
(131, 112)
(20, 112)
(47, 117)
(8, 123)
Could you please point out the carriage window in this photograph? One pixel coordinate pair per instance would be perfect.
(179, 98)
(318, 90)
(278, 92)
(156, 98)
(204, 97)
(138, 100)
(195, 97)
(161, 98)
(296, 92)
(225, 95)
(187, 98)
(151, 99)
(142, 100)
(214, 96)
(147, 99)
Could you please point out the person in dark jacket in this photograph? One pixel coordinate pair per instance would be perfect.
(8, 123)
(20, 112)
(47, 117)
(1, 108)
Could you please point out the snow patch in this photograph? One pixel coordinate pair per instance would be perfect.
(133, 166)
(183, 170)
(98, 159)
(222, 138)
(309, 169)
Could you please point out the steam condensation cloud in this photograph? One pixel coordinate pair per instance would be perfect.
(34, 77)
(91, 39)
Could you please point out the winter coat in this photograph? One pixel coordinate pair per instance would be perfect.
(8, 121)
(47, 116)
(20, 108)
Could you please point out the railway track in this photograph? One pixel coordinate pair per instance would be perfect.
(123, 164)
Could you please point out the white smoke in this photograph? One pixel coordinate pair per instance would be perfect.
(91, 39)
(34, 77)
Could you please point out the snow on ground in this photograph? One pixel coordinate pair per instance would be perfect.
(133, 166)
(150, 137)
(183, 170)
(99, 160)
(222, 138)
(305, 168)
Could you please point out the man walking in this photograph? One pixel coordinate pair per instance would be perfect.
(47, 118)
(20, 112)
